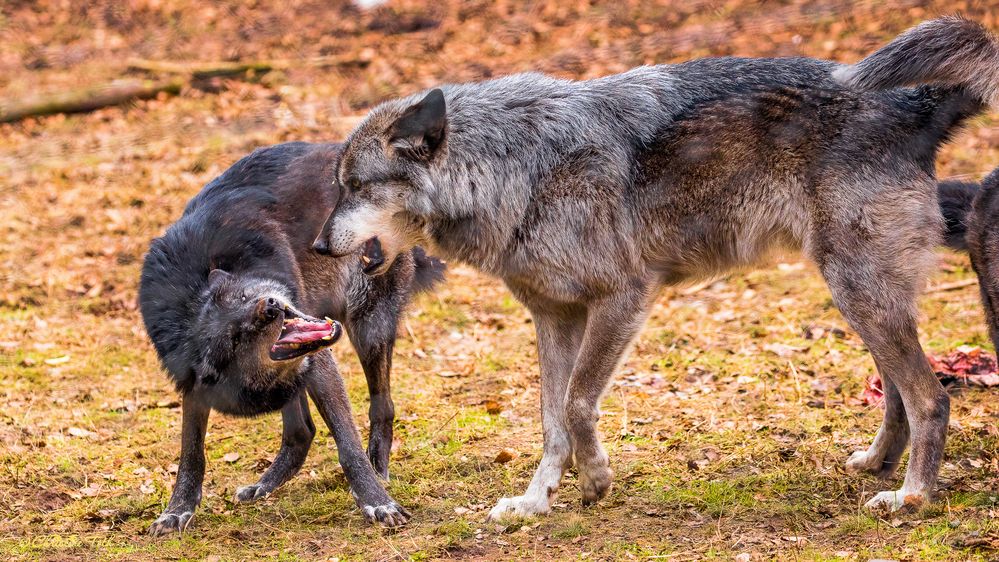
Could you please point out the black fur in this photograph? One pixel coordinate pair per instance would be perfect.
(213, 286)
(971, 212)
(956, 198)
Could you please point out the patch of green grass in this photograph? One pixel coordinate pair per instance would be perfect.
(575, 527)
(712, 497)
(447, 314)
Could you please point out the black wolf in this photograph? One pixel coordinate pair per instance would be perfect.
(241, 311)
(586, 197)
(971, 215)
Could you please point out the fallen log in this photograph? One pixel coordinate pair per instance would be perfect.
(81, 101)
(200, 70)
(188, 73)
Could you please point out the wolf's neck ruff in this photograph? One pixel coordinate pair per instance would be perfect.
(527, 125)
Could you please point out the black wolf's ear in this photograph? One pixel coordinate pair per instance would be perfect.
(420, 129)
(217, 276)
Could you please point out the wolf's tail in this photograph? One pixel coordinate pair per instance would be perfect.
(948, 51)
(955, 199)
(429, 271)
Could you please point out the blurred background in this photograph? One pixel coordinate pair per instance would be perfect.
(166, 94)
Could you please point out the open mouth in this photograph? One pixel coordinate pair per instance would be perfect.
(301, 335)
(372, 257)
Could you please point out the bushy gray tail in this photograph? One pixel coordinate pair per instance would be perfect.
(429, 271)
(956, 198)
(949, 51)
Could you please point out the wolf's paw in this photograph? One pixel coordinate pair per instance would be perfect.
(388, 515)
(897, 500)
(518, 508)
(594, 482)
(251, 493)
(171, 523)
(863, 461)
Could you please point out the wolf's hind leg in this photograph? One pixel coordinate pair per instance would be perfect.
(611, 325)
(874, 265)
(559, 335)
(882, 458)
(373, 337)
(296, 438)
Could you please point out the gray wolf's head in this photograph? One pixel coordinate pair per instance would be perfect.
(385, 180)
(247, 334)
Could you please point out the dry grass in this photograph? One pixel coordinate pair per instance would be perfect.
(727, 427)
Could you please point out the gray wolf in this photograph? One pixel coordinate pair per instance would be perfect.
(232, 297)
(971, 213)
(586, 197)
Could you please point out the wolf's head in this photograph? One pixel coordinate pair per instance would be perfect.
(248, 331)
(239, 334)
(385, 180)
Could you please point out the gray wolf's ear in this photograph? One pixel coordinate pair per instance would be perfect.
(420, 130)
(217, 276)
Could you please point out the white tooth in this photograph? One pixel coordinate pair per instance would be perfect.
(328, 337)
(366, 260)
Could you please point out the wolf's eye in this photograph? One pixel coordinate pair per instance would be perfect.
(242, 297)
(355, 183)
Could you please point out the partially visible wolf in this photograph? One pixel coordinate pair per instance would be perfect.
(586, 197)
(971, 214)
(232, 297)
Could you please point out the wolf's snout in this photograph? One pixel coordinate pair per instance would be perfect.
(267, 309)
(322, 245)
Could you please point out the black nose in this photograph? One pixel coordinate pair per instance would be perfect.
(321, 245)
(267, 309)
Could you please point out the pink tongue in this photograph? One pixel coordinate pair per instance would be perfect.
(301, 331)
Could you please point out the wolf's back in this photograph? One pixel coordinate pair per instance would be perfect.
(948, 51)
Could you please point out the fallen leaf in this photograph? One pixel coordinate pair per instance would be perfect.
(493, 408)
(504, 456)
(783, 350)
(57, 360)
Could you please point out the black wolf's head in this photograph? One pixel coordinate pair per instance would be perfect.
(247, 330)
(385, 181)
(233, 330)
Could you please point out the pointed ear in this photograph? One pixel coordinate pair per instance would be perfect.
(217, 276)
(420, 130)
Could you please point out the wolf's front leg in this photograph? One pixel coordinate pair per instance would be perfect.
(191, 472)
(326, 389)
(296, 438)
(559, 336)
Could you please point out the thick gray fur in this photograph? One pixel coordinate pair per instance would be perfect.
(586, 197)
(949, 50)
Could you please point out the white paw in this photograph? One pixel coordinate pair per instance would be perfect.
(863, 461)
(895, 500)
(388, 515)
(518, 508)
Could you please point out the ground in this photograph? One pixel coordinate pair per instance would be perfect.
(727, 427)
